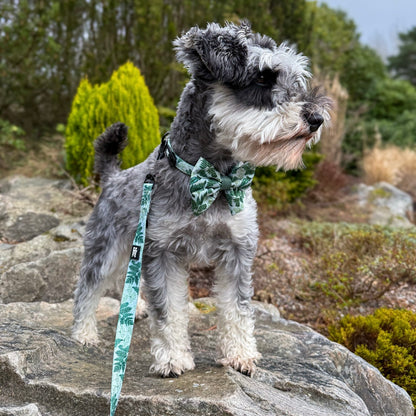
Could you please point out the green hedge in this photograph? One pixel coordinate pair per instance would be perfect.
(124, 98)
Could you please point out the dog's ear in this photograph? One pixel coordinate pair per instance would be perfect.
(215, 53)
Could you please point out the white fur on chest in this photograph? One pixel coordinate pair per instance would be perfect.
(198, 237)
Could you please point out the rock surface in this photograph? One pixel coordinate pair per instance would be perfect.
(387, 204)
(45, 266)
(301, 372)
(43, 372)
(28, 206)
(27, 410)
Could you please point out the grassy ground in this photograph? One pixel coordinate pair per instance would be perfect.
(316, 272)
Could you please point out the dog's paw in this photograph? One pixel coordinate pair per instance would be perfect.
(141, 309)
(174, 367)
(86, 336)
(246, 366)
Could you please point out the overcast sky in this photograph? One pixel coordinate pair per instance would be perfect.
(379, 21)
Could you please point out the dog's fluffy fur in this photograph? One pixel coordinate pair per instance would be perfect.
(247, 100)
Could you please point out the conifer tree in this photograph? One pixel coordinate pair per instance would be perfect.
(124, 98)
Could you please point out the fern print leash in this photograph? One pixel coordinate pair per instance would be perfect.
(205, 185)
(129, 298)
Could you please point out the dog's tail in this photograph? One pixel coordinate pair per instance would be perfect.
(107, 147)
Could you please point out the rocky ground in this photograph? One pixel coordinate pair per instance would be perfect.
(44, 372)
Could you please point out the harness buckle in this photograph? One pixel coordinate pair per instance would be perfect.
(166, 150)
(163, 146)
(149, 179)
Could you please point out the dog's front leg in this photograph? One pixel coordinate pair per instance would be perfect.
(165, 287)
(233, 289)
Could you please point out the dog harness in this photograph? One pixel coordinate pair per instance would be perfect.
(206, 183)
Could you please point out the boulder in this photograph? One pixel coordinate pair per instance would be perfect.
(386, 204)
(44, 372)
(29, 225)
(27, 410)
(44, 268)
(42, 224)
(31, 206)
(300, 373)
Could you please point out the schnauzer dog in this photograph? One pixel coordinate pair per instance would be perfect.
(247, 104)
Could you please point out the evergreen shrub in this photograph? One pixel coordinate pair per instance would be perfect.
(277, 190)
(385, 339)
(124, 98)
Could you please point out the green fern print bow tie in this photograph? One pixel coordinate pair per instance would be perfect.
(206, 184)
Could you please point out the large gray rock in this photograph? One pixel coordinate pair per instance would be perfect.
(47, 220)
(46, 268)
(386, 204)
(27, 410)
(301, 372)
(31, 206)
(42, 216)
(43, 372)
(29, 225)
(43, 269)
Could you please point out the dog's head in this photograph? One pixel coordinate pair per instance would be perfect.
(261, 109)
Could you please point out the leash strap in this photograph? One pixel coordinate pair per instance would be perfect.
(129, 298)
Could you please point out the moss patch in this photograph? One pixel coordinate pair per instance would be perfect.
(204, 307)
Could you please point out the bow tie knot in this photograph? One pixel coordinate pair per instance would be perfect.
(206, 184)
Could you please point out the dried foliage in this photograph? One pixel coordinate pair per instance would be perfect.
(354, 264)
(393, 165)
(316, 272)
(332, 135)
(331, 181)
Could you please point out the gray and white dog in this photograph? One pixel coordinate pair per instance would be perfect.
(247, 100)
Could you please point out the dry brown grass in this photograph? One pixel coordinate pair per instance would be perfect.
(333, 134)
(393, 165)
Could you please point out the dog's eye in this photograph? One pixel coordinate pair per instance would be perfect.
(266, 78)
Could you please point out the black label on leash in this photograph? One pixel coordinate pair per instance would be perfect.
(135, 253)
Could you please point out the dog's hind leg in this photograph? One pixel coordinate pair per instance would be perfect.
(166, 291)
(99, 264)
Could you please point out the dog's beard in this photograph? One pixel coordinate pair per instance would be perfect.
(274, 137)
(284, 154)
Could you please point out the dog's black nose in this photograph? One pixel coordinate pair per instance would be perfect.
(315, 120)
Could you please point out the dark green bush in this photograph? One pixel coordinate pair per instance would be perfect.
(388, 111)
(277, 190)
(387, 340)
(124, 98)
(389, 98)
(11, 135)
(401, 131)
